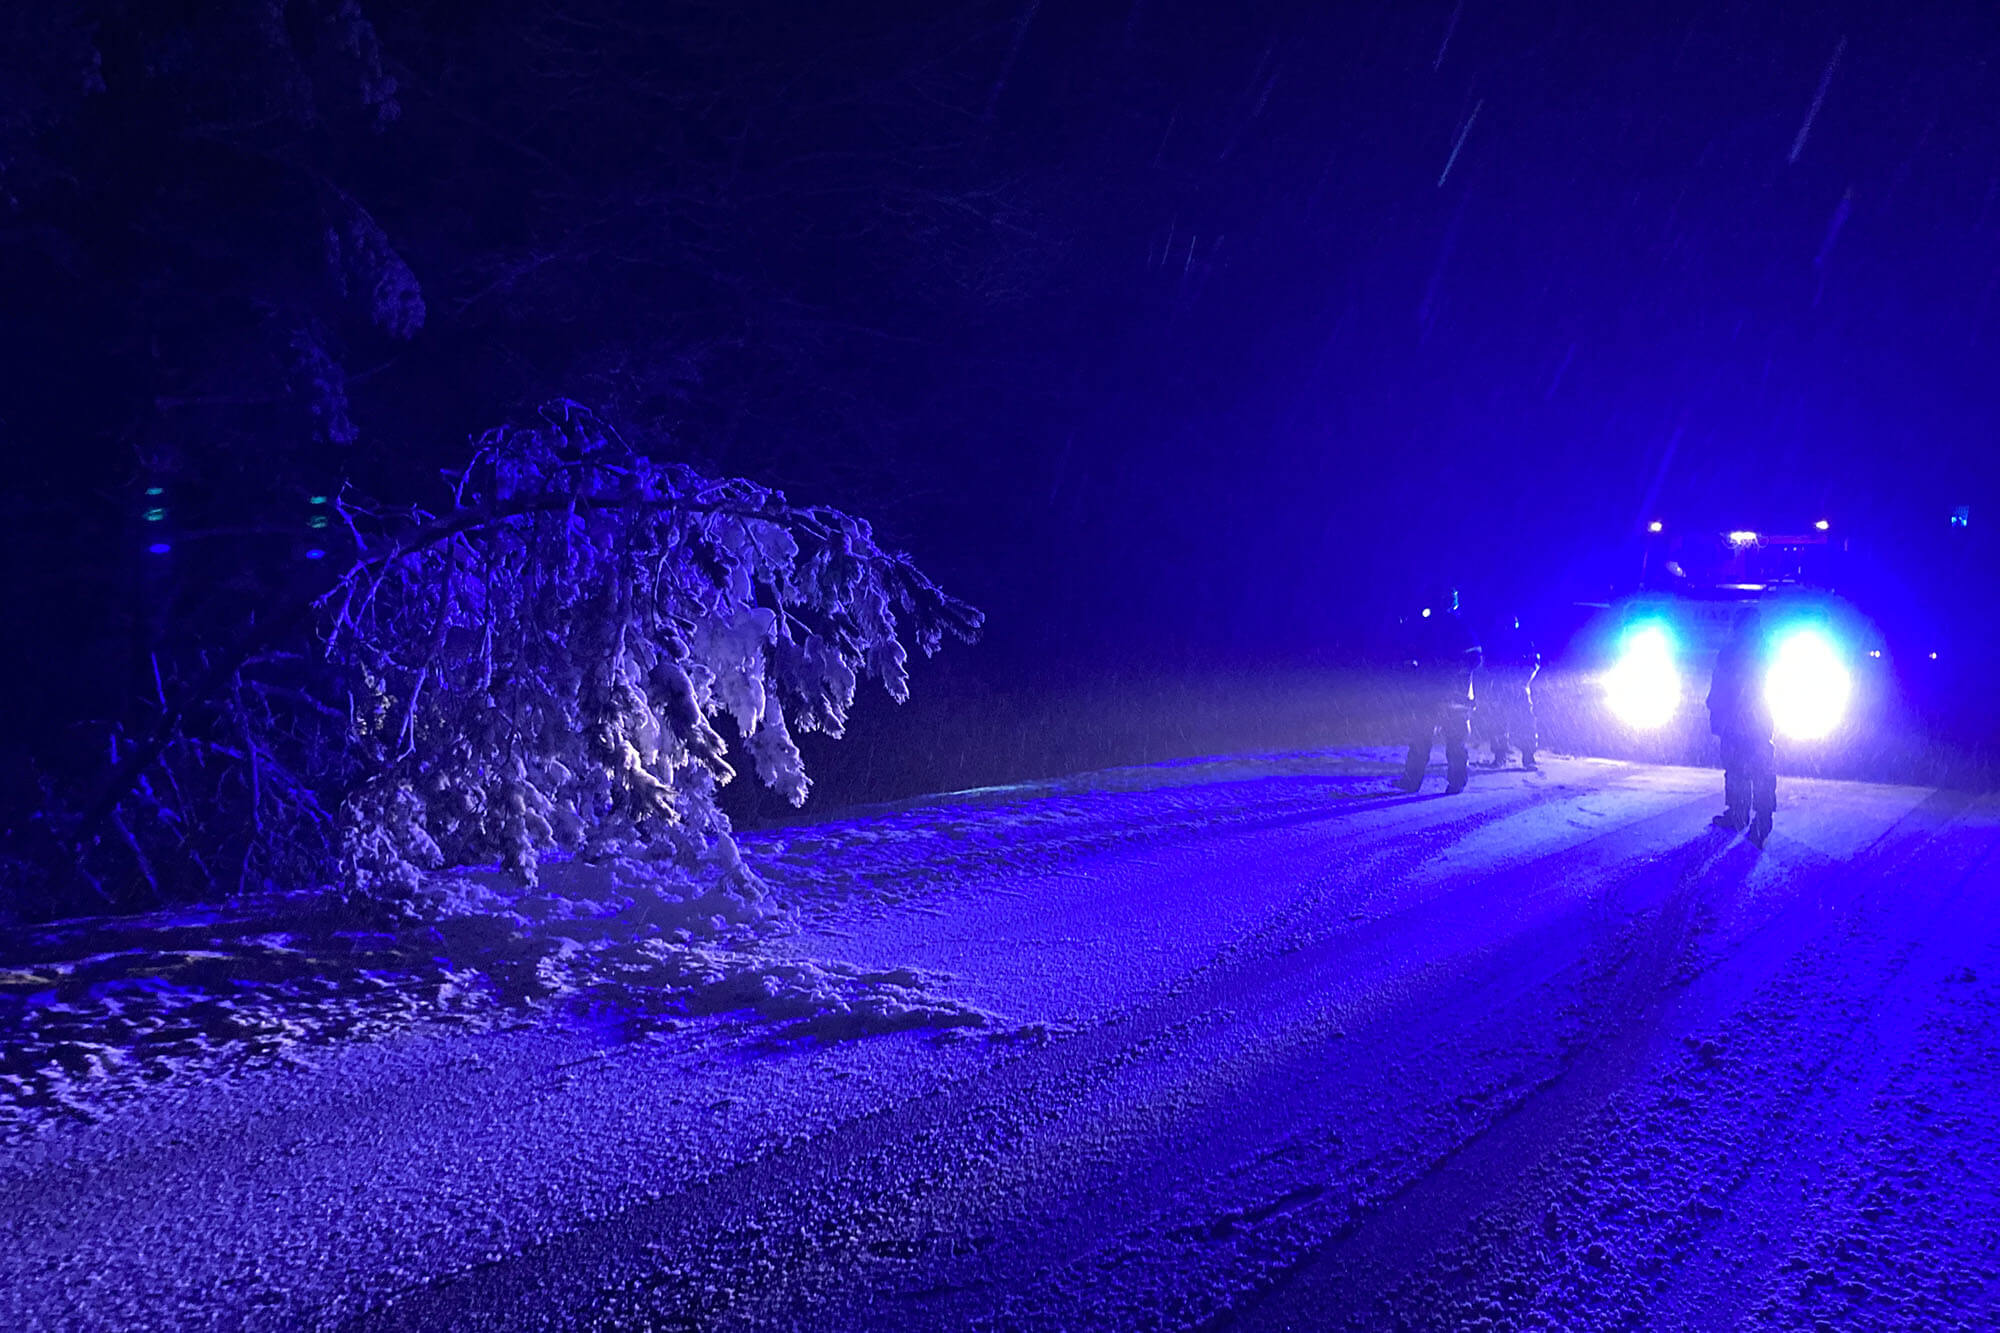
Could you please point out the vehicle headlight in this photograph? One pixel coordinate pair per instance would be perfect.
(1643, 688)
(1808, 686)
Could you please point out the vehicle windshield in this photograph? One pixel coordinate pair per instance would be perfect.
(1737, 562)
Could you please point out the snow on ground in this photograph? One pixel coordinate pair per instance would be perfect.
(94, 1013)
(1251, 1043)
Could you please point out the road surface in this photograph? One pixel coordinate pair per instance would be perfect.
(1282, 1049)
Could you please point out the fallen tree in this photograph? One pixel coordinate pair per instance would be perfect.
(538, 667)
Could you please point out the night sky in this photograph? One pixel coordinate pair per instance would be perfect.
(1153, 328)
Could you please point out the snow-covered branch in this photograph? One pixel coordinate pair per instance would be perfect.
(543, 666)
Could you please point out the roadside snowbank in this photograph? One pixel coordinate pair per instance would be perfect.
(94, 1012)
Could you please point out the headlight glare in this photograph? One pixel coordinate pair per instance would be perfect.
(1807, 686)
(1643, 688)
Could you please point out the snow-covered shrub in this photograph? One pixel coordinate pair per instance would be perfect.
(318, 383)
(541, 666)
(366, 269)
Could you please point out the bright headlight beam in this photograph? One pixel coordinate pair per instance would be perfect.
(1643, 688)
(1807, 686)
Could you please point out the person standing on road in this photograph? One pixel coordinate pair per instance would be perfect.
(1440, 658)
(1506, 700)
(1741, 718)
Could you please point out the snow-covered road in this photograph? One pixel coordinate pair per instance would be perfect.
(1285, 1050)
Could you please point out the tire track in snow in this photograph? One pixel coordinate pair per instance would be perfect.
(890, 1205)
(1323, 1179)
(1300, 1200)
(577, 1265)
(1765, 1207)
(1337, 1005)
(1517, 968)
(1548, 1260)
(1899, 1230)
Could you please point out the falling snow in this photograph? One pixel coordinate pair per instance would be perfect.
(1459, 143)
(1819, 96)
